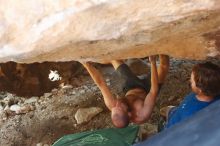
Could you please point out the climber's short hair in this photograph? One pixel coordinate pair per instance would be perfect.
(207, 78)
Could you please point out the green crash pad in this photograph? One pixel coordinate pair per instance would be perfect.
(103, 137)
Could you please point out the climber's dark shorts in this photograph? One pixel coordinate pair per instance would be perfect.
(130, 81)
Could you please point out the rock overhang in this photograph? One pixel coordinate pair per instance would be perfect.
(99, 31)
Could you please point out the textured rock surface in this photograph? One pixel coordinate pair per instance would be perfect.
(102, 30)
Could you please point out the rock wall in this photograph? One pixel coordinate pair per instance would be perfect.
(102, 30)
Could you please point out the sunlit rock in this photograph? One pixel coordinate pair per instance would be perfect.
(102, 30)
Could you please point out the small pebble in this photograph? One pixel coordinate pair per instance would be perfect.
(82, 91)
(54, 91)
(67, 87)
(39, 144)
(6, 108)
(47, 95)
(1, 108)
(94, 88)
(31, 100)
(15, 108)
(107, 80)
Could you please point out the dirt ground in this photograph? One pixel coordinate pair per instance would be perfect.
(53, 114)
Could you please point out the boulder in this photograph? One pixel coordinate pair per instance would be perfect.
(102, 30)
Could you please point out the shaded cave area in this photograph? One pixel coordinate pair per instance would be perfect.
(32, 79)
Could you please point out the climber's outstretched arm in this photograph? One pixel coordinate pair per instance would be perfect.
(109, 99)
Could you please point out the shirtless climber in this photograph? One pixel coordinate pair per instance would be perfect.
(140, 97)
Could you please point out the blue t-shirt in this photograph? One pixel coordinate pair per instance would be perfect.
(189, 106)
